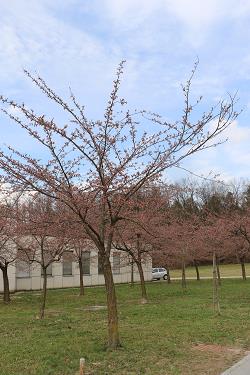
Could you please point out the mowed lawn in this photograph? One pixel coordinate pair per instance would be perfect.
(175, 333)
(226, 270)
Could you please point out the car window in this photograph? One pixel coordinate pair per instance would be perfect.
(154, 270)
(162, 270)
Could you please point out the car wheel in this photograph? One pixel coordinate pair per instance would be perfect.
(165, 277)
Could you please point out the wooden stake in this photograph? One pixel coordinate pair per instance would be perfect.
(216, 301)
(82, 366)
(183, 273)
(132, 273)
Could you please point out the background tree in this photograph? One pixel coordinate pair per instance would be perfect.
(8, 227)
(80, 246)
(8, 251)
(41, 237)
(137, 235)
(239, 229)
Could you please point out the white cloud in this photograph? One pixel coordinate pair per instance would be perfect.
(160, 40)
(33, 37)
(197, 18)
(237, 134)
(229, 160)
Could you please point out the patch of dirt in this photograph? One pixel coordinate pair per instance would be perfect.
(95, 308)
(212, 359)
(52, 313)
(217, 348)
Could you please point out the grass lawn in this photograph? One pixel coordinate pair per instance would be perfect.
(226, 270)
(175, 333)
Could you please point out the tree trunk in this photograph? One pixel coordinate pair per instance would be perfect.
(113, 332)
(243, 269)
(6, 287)
(142, 282)
(218, 270)
(44, 293)
(132, 273)
(197, 270)
(216, 302)
(168, 275)
(81, 277)
(183, 274)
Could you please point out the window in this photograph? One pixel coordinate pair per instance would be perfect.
(67, 264)
(49, 270)
(100, 265)
(116, 263)
(86, 262)
(22, 269)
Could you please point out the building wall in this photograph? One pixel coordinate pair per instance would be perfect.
(58, 280)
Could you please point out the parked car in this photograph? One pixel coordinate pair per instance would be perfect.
(159, 273)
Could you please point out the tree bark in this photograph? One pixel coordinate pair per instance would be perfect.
(216, 302)
(132, 274)
(6, 287)
(197, 270)
(113, 332)
(142, 282)
(44, 293)
(218, 270)
(243, 269)
(81, 277)
(183, 275)
(168, 275)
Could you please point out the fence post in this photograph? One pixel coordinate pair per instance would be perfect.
(82, 366)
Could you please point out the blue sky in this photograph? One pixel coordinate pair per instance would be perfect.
(79, 43)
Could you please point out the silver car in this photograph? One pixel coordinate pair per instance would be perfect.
(159, 273)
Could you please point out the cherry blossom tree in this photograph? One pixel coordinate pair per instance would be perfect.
(239, 229)
(136, 243)
(8, 250)
(41, 237)
(79, 245)
(96, 167)
(139, 233)
(8, 227)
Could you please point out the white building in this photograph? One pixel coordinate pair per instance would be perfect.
(65, 273)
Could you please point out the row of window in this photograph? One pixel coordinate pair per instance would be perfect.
(23, 269)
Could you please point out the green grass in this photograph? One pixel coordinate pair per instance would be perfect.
(226, 270)
(159, 337)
